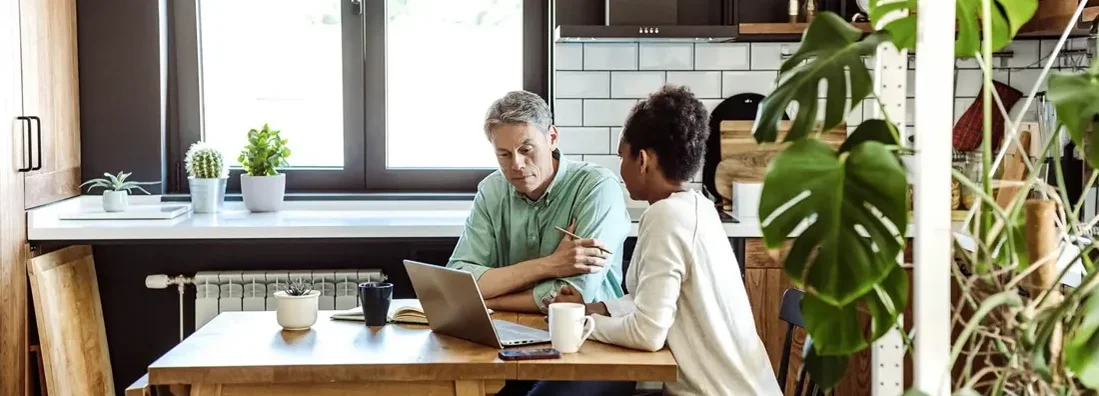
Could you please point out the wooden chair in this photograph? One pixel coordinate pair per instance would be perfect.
(790, 312)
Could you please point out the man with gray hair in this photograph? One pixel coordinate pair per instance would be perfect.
(511, 244)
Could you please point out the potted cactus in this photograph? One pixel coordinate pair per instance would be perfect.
(296, 306)
(262, 186)
(116, 190)
(207, 177)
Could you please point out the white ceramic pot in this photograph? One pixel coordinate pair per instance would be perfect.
(207, 194)
(263, 193)
(296, 312)
(116, 201)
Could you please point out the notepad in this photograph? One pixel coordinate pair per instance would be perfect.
(400, 311)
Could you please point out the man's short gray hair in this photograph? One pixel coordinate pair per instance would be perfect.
(518, 107)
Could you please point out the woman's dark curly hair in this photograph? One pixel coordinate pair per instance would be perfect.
(674, 124)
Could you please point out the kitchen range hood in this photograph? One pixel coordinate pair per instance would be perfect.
(645, 20)
(689, 33)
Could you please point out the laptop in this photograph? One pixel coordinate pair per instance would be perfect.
(453, 305)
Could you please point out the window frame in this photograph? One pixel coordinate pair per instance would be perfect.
(364, 102)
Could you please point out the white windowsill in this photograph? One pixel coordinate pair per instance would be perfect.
(298, 219)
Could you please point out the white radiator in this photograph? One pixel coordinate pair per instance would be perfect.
(223, 291)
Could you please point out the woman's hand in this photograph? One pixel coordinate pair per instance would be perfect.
(568, 294)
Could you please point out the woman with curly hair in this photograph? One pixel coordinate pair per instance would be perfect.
(684, 282)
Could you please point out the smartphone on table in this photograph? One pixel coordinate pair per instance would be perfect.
(529, 354)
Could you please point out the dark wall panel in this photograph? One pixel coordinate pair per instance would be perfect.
(122, 87)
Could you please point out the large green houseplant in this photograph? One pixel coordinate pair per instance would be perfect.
(850, 213)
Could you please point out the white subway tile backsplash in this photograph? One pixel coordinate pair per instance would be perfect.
(666, 56)
(967, 83)
(960, 106)
(854, 117)
(1024, 80)
(704, 84)
(726, 56)
(583, 84)
(568, 112)
(1025, 53)
(769, 56)
(966, 63)
(611, 162)
(870, 109)
(630, 84)
(570, 56)
(737, 82)
(711, 104)
(607, 112)
(597, 84)
(584, 140)
(610, 56)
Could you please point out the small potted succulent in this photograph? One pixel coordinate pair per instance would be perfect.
(296, 306)
(207, 176)
(262, 186)
(116, 190)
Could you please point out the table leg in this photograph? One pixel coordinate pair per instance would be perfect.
(469, 388)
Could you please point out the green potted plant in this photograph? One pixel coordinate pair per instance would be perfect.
(296, 306)
(207, 177)
(261, 185)
(1018, 331)
(116, 190)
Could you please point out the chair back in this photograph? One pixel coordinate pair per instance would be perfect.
(790, 312)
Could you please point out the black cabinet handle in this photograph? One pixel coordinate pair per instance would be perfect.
(26, 143)
(39, 130)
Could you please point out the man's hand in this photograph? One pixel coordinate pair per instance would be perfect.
(568, 294)
(576, 256)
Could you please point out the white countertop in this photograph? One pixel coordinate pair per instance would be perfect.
(298, 219)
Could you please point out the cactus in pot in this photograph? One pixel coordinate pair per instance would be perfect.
(296, 305)
(207, 177)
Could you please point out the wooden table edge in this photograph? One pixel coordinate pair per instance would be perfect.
(492, 371)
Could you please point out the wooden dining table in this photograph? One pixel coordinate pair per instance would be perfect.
(247, 353)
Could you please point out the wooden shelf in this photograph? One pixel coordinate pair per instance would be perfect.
(786, 28)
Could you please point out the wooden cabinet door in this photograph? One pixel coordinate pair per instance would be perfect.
(50, 92)
(13, 278)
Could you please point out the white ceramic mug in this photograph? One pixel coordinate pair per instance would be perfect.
(569, 327)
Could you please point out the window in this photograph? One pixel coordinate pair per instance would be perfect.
(373, 95)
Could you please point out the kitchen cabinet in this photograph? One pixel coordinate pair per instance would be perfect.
(765, 282)
(48, 36)
(37, 79)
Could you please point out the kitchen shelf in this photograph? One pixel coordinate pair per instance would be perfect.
(797, 28)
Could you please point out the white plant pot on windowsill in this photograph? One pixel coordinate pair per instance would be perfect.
(116, 201)
(263, 193)
(297, 312)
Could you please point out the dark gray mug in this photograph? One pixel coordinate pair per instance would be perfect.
(375, 298)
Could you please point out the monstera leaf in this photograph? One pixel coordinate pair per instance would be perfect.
(839, 330)
(853, 208)
(826, 371)
(830, 51)
(1082, 351)
(1076, 98)
(1008, 16)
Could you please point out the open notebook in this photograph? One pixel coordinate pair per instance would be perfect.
(404, 310)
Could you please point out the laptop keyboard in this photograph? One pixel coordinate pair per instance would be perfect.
(512, 332)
